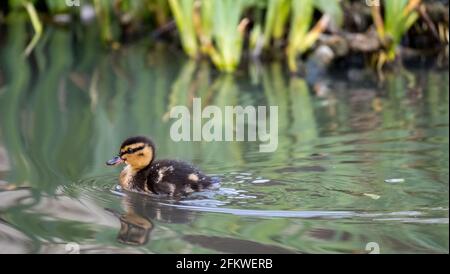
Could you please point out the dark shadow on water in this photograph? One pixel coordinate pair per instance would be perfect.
(141, 212)
(231, 245)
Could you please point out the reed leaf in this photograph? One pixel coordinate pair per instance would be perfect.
(276, 18)
(228, 32)
(183, 12)
(102, 9)
(300, 37)
(399, 16)
(302, 13)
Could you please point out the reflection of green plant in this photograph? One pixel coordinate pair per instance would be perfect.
(17, 73)
(304, 122)
(295, 110)
(276, 94)
(45, 159)
(41, 229)
(37, 26)
(313, 236)
(194, 81)
(226, 93)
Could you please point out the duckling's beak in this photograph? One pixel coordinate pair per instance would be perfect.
(114, 161)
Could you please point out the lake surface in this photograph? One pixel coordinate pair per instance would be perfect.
(363, 163)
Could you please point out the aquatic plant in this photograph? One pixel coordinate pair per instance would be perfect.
(218, 30)
(102, 9)
(301, 37)
(183, 11)
(57, 6)
(399, 16)
(276, 18)
(160, 9)
(228, 34)
(217, 25)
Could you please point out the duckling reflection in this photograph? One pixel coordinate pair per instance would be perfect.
(134, 229)
(141, 211)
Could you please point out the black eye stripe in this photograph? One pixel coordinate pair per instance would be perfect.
(131, 150)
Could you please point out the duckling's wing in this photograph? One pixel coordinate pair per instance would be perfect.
(181, 176)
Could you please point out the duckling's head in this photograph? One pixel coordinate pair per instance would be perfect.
(137, 152)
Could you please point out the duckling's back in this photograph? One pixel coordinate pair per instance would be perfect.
(174, 177)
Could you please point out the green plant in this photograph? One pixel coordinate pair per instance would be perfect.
(300, 37)
(228, 34)
(399, 16)
(57, 6)
(183, 12)
(160, 9)
(276, 17)
(102, 9)
(217, 25)
(37, 26)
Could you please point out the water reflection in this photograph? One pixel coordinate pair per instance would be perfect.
(65, 108)
(141, 212)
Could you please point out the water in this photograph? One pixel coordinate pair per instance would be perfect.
(363, 163)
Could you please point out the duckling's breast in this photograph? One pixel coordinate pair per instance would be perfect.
(126, 177)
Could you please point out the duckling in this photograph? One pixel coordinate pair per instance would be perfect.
(143, 173)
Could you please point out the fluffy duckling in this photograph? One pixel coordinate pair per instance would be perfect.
(143, 173)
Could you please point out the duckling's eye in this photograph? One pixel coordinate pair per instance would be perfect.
(129, 150)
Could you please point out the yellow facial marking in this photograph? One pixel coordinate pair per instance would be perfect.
(132, 146)
(139, 159)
